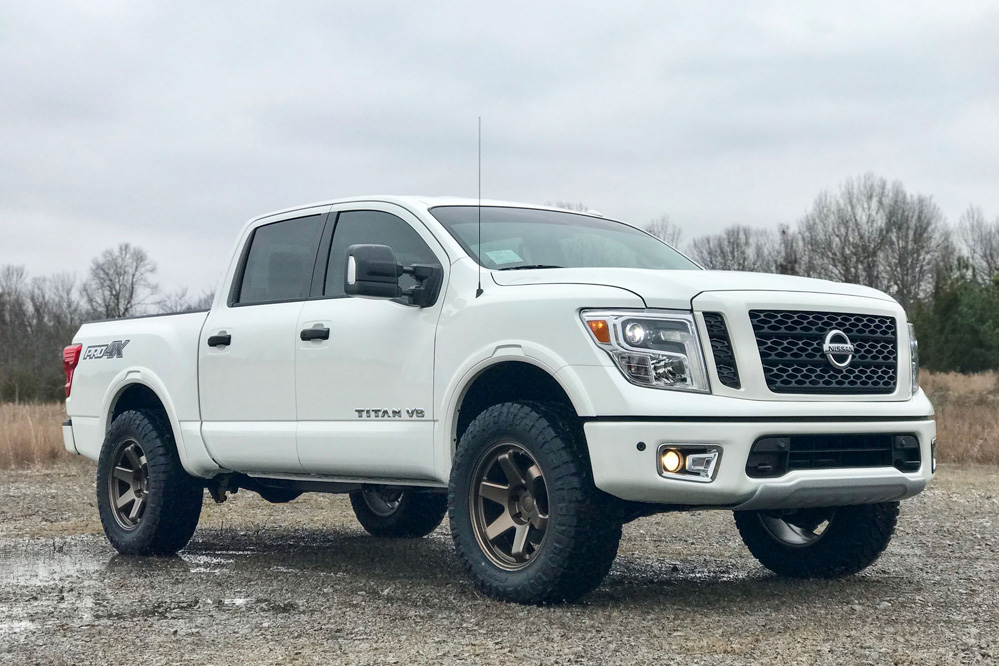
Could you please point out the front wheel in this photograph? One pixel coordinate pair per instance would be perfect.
(527, 521)
(148, 504)
(818, 543)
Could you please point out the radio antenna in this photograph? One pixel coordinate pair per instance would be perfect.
(478, 291)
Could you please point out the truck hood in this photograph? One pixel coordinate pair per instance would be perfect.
(676, 289)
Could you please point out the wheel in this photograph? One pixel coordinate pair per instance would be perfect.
(148, 504)
(527, 522)
(818, 543)
(384, 511)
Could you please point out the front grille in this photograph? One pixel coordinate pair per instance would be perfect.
(721, 349)
(790, 344)
(775, 456)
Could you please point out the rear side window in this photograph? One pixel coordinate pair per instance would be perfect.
(280, 261)
(372, 227)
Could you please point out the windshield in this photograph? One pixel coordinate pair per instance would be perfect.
(525, 238)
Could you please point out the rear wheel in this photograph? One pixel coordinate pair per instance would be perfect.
(818, 543)
(148, 504)
(527, 522)
(384, 511)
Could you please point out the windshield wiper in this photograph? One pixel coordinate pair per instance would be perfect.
(528, 267)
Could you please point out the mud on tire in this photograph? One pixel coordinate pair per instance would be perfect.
(148, 504)
(527, 522)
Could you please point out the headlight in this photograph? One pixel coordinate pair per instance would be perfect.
(651, 349)
(914, 356)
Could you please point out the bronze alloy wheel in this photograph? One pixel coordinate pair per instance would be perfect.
(800, 528)
(509, 506)
(128, 486)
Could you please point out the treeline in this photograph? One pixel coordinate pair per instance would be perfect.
(40, 315)
(873, 232)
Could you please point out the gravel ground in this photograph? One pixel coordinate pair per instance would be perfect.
(301, 583)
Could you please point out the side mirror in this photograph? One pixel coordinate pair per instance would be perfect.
(373, 271)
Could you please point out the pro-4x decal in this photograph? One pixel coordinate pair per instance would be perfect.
(110, 350)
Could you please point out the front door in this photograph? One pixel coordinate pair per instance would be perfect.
(247, 349)
(365, 389)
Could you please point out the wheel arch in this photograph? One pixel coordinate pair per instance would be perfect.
(506, 376)
(140, 389)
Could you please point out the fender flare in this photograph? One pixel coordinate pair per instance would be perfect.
(191, 458)
(490, 356)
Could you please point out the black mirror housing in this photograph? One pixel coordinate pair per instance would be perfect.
(373, 271)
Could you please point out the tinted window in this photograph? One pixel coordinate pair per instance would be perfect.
(371, 227)
(525, 237)
(280, 262)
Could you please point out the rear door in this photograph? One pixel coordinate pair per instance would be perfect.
(247, 359)
(365, 392)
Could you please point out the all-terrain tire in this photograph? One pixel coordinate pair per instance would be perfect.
(583, 526)
(417, 514)
(172, 498)
(854, 538)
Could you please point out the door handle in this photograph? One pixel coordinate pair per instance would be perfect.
(315, 334)
(219, 340)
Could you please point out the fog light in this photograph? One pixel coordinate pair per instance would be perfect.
(672, 461)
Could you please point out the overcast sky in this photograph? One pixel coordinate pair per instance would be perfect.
(169, 125)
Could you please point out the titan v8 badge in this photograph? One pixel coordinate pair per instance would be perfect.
(110, 350)
(389, 413)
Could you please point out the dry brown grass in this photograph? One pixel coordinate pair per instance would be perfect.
(967, 409)
(31, 435)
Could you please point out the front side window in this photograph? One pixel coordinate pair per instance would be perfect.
(371, 227)
(522, 238)
(280, 261)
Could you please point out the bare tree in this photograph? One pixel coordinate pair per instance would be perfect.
(846, 232)
(737, 248)
(120, 282)
(981, 242)
(916, 236)
(664, 229)
(179, 302)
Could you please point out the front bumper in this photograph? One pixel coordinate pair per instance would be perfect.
(621, 469)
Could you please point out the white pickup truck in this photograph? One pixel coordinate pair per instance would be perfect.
(541, 376)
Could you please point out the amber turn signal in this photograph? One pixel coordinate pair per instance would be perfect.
(601, 331)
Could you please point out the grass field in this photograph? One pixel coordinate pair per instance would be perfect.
(967, 409)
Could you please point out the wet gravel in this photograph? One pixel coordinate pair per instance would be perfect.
(303, 584)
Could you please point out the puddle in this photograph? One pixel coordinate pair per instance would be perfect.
(16, 627)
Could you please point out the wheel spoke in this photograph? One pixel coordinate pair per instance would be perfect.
(125, 498)
(513, 473)
(494, 492)
(133, 457)
(520, 542)
(123, 474)
(137, 508)
(539, 522)
(500, 526)
(533, 476)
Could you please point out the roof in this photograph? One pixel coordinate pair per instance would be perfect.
(424, 202)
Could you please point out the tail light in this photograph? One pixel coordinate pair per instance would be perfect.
(70, 358)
